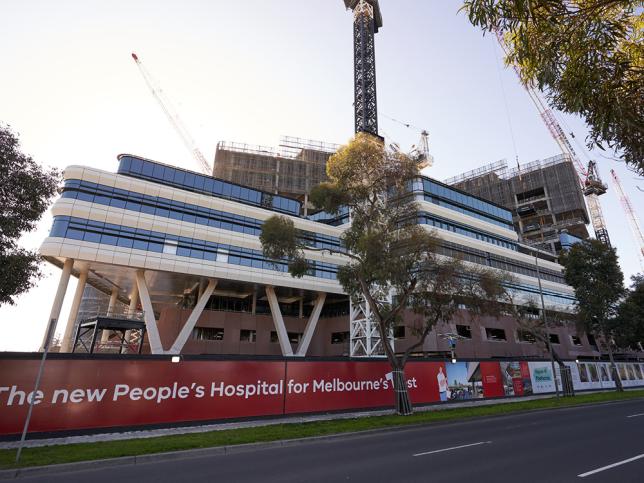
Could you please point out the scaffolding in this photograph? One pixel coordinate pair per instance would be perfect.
(291, 170)
(544, 195)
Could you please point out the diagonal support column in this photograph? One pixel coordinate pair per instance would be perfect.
(58, 302)
(148, 313)
(182, 338)
(309, 330)
(66, 344)
(111, 311)
(278, 320)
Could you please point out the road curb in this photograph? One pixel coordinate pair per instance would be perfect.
(244, 448)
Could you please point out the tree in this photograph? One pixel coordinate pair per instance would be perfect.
(628, 326)
(26, 190)
(392, 263)
(586, 56)
(591, 268)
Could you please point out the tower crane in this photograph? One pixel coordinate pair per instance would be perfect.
(591, 184)
(630, 214)
(173, 117)
(419, 151)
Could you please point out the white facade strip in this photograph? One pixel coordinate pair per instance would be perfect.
(123, 217)
(157, 189)
(140, 259)
(467, 220)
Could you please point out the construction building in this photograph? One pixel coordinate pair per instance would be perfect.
(545, 198)
(291, 170)
(176, 255)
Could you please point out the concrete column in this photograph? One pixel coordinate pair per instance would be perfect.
(58, 299)
(183, 336)
(311, 325)
(134, 301)
(111, 308)
(148, 313)
(254, 308)
(278, 320)
(301, 315)
(67, 342)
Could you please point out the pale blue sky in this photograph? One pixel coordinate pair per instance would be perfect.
(251, 71)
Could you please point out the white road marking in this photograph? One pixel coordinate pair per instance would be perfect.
(635, 415)
(603, 468)
(452, 448)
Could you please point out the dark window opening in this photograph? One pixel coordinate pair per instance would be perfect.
(495, 334)
(247, 335)
(464, 331)
(293, 337)
(340, 337)
(208, 333)
(591, 340)
(526, 336)
(575, 340)
(399, 332)
(554, 338)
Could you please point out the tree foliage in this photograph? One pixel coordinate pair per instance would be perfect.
(391, 261)
(592, 269)
(26, 190)
(587, 56)
(628, 326)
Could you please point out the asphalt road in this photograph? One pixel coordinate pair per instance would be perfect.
(551, 446)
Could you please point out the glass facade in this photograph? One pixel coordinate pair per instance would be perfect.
(438, 222)
(329, 219)
(128, 237)
(507, 264)
(432, 191)
(176, 210)
(199, 183)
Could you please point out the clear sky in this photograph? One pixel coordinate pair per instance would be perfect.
(251, 71)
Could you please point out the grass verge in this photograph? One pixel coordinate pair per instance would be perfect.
(113, 449)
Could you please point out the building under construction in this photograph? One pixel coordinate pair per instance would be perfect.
(292, 170)
(545, 198)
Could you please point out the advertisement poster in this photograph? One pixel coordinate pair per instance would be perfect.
(83, 394)
(541, 377)
(463, 385)
(492, 379)
(331, 386)
(516, 378)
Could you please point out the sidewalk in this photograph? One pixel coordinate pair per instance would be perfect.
(153, 433)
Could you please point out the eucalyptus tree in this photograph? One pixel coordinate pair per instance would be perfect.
(391, 262)
(26, 189)
(586, 56)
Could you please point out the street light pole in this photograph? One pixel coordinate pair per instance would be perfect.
(546, 325)
(48, 338)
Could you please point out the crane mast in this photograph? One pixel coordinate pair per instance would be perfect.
(173, 117)
(591, 184)
(630, 214)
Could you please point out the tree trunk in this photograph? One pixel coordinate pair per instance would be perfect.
(401, 393)
(613, 366)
